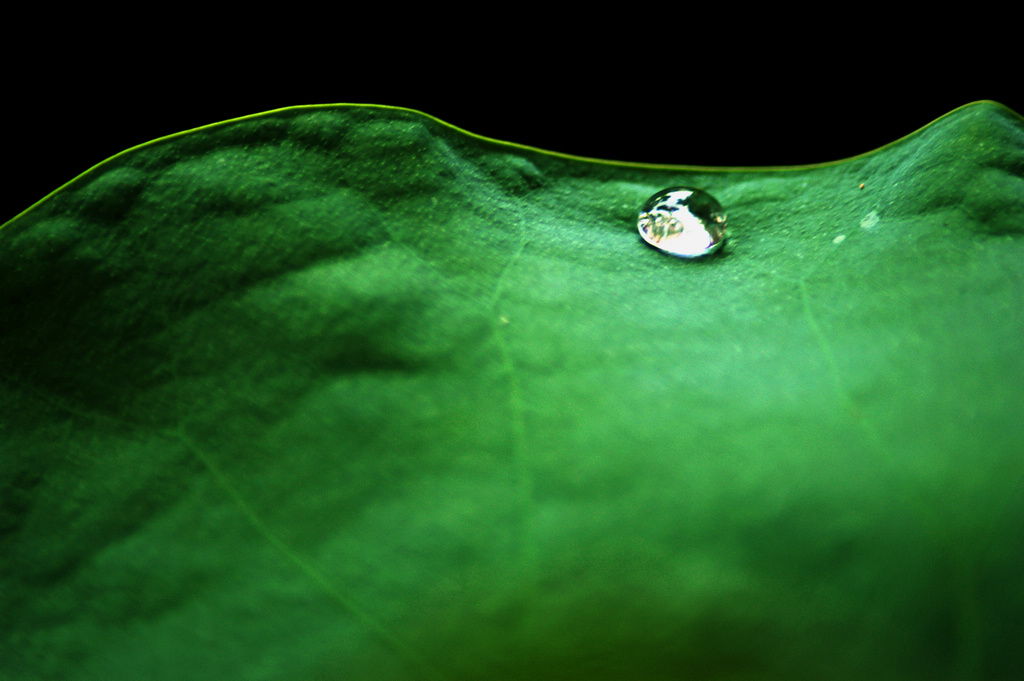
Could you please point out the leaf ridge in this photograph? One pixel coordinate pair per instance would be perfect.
(345, 600)
(523, 475)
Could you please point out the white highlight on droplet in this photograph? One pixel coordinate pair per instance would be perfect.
(839, 239)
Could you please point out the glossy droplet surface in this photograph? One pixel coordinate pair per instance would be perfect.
(683, 221)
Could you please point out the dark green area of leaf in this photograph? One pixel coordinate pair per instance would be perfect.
(344, 393)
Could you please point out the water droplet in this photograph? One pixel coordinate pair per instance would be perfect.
(683, 221)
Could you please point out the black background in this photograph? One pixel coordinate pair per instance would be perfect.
(719, 102)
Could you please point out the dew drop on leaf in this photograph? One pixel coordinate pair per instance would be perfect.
(683, 221)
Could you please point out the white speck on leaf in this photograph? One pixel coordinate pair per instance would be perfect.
(870, 220)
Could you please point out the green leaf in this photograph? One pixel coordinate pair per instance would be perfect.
(343, 392)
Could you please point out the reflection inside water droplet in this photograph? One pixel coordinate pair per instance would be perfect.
(683, 221)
